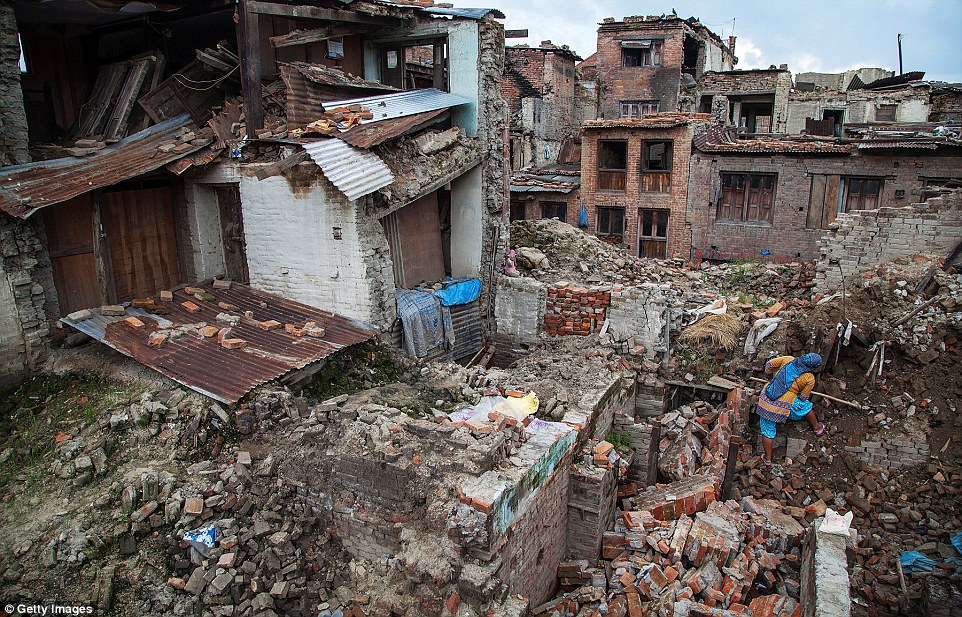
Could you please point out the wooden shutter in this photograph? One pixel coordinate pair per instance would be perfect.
(822, 201)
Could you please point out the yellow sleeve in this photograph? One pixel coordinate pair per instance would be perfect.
(775, 364)
(804, 385)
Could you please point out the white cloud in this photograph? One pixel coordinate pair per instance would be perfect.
(805, 62)
(749, 55)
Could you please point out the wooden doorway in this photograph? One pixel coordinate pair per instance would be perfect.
(232, 230)
(70, 243)
(653, 234)
(140, 230)
(414, 236)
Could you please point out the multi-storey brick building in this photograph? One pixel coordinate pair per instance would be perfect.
(635, 181)
(774, 198)
(539, 87)
(754, 100)
(652, 64)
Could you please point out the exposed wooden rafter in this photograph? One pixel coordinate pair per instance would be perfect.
(304, 37)
(313, 12)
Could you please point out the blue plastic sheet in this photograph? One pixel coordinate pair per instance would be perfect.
(914, 561)
(583, 217)
(459, 291)
(957, 542)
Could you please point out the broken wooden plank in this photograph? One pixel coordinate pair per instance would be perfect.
(313, 12)
(918, 310)
(117, 126)
(95, 112)
(516, 34)
(316, 35)
(251, 66)
(281, 166)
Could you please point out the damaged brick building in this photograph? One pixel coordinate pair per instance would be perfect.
(177, 161)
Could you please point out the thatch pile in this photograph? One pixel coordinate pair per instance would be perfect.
(720, 330)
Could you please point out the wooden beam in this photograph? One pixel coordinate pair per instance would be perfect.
(251, 68)
(730, 463)
(652, 478)
(281, 166)
(304, 37)
(314, 12)
(516, 34)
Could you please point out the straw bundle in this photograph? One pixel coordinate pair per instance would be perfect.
(721, 330)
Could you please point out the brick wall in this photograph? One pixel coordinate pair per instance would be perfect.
(592, 494)
(777, 82)
(787, 237)
(859, 241)
(13, 119)
(523, 76)
(575, 310)
(946, 107)
(859, 105)
(633, 199)
(534, 207)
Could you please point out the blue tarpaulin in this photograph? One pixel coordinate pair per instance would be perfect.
(426, 323)
(459, 291)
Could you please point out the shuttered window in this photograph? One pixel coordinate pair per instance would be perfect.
(861, 193)
(612, 165)
(747, 197)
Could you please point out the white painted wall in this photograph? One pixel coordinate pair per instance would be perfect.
(463, 77)
(291, 249)
(11, 336)
(467, 203)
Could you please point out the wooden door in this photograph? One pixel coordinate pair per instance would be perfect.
(143, 244)
(653, 234)
(70, 242)
(414, 235)
(392, 66)
(232, 228)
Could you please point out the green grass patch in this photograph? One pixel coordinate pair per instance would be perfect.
(33, 414)
(354, 369)
(623, 442)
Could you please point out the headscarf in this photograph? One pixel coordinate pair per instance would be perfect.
(784, 378)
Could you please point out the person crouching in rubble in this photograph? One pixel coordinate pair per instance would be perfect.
(786, 397)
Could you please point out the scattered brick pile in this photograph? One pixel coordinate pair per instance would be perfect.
(575, 310)
(727, 560)
(340, 119)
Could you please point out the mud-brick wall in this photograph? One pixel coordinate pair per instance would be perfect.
(13, 119)
(27, 298)
(575, 310)
(861, 240)
(592, 498)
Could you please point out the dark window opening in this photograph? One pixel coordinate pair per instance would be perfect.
(641, 53)
(656, 166)
(517, 211)
(653, 240)
(705, 105)
(612, 165)
(690, 59)
(554, 209)
(747, 197)
(885, 113)
(861, 193)
(756, 117)
(639, 109)
(611, 223)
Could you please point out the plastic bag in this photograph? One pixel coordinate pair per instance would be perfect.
(914, 561)
(202, 538)
(583, 217)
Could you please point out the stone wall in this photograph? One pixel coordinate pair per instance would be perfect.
(776, 82)
(534, 204)
(13, 118)
(27, 298)
(519, 307)
(825, 584)
(859, 241)
(860, 105)
(787, 237)
(643, 316)
(946, 107)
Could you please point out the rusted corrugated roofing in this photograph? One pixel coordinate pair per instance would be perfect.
(24, 189)
(202, 364)
(542, 180)
(309, 85)
(374, 133)
(653, 121)
(354, 171)
(721, 140)
(910, 144)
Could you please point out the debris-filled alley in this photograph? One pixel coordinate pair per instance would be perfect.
(344, 308)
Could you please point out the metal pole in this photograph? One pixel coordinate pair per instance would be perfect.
(900, 53)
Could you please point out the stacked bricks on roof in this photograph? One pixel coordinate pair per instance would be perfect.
(575, 310)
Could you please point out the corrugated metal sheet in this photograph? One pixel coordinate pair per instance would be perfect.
(403, 104)
(374, 133)
(307, 86)
(24, 189)
(907, 144)
(205, 366)
(724, 140)
(539, 189)
(354, 171)
(468, 337)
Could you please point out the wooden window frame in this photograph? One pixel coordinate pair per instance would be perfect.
(887, 107)
(603, 222)
(742, 212)
(653, 237)
(557, 206)
(652, 55)
(846, 191)
(611, 178)
(656, 180)
(639, 109)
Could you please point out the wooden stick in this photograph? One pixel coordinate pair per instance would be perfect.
(898, 565)
(821, 394)
(918, 310)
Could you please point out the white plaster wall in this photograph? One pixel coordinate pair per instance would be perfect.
(463, 76)
(204, 225)
(467, 204)
(291, 248)
(914, 110)
(11, 336)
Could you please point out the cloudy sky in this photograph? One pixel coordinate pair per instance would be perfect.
(815, 35)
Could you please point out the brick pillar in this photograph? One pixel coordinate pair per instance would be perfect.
(13, 118)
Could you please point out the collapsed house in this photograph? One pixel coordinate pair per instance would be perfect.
(340, 154)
